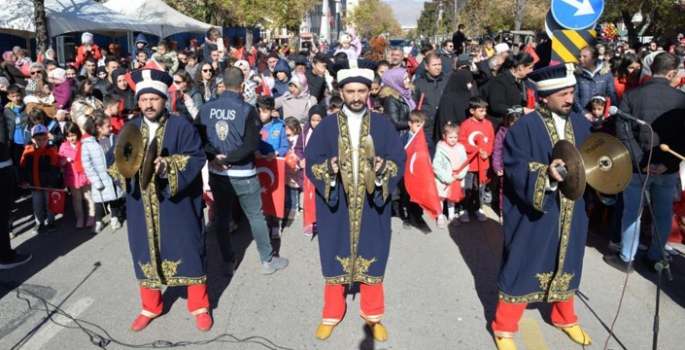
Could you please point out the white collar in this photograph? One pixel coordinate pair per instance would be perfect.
(348, 112)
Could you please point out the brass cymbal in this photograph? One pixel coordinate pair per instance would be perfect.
(149, 164)
(128, 151)
(370, 158)
(608, 167)
(573, 186)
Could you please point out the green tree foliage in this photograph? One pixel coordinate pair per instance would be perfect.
(664, 17)
(374, 17)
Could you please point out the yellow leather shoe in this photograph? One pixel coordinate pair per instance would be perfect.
(379, 332)
(577, 334)
(323, 331)
(505, 343)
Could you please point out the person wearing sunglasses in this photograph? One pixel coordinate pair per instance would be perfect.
(187, 99)
(36, 79)
(205, 81)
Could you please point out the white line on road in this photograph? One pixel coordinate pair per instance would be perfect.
(50, 329)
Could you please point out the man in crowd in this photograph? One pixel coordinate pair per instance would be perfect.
(430, 85)
(458, 39)
(447, 56)
(544, 232)
(352, 198)
(166, 230)
(316, 78)
(659, 104)
(231, 131)
(396, 57)
(106, 85)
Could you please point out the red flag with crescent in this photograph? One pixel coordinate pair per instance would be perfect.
(419, 178)
(272, 182)
(309, 202)
(57, 199)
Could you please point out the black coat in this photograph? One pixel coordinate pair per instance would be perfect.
(661, 106)
(503, 93)
(454, 103)
(317, 86)
(432, 89)
(395, 108)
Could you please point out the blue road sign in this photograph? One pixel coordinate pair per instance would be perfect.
(577, 14)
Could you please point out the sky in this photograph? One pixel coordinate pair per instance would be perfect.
(406, 11)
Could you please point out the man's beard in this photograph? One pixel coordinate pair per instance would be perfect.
(154, 118)
(560, 112)
(356, 110)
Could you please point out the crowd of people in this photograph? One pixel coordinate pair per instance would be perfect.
(487, 115)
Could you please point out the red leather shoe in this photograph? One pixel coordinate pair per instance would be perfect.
(140, 323)
(204, 321)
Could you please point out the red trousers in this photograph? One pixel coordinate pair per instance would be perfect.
(372, 303)
(508, 316)
(198, 302)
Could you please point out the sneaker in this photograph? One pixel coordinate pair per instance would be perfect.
(90, 221)
(616, 262)
(38, 228)
(464, 216)
(17, 260)
(615, 247)
(671, 251)
(441, 222)
(406, 224)
(51, 227)
(79, 224)
(309, 230)
(480, 214)
(115, 224)
(275, 233)
(98, 227)
(274, 265)
(643, 248)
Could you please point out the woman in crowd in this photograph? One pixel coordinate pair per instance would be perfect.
(396, 96)
(508, 88)
(628, 75)
(297, 101)
(188, 99)
(205, 81)
(84, 102)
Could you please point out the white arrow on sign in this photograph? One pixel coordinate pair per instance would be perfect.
(584, 7)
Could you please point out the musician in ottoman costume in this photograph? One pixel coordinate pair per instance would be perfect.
(354, 159)
(544, 232)
(166, 228)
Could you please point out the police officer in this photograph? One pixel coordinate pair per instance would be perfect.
(230, 128)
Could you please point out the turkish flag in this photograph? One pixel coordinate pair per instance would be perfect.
(56, 204)
(272, 181)
(309, 202)
(263, 88)
(419, 178)
(454, 191)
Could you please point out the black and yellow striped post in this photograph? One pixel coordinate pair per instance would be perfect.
(566, 44)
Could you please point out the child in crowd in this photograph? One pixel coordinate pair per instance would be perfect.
(61, 88)
(112, 104)
(374, 100)
(75, 177)
(292, 173)
(316, 115)
(17, 123)
(23, 61)
(274, 144)
(105, 190)
(599, 108)
(513, 114)
(38, 116)
(450, 171)
(39, 169)
(477, 136)
(411, 213)
(335, 104)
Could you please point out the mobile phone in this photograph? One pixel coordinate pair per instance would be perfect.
(220, 44)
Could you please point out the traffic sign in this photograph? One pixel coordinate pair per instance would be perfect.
(577, 14)
(566, 44)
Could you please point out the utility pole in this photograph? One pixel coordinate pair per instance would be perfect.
(454, 18)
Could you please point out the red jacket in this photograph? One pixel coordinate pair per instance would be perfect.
(475, 136)
(81, 55)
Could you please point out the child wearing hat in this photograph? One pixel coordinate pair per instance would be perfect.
(87, 49)
(39, 169)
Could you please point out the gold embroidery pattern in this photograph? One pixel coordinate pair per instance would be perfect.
(321, 173)
(170, 268)
(361, 265)
(537, 297)
(545, 278)
(547, 119)
(177, 163)
(357, 190)
(116, 175)
(390, 172)
(539, 191)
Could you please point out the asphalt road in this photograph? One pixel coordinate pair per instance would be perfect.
(440, 289)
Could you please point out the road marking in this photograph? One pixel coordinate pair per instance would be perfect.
(531, 334)
(50, 329)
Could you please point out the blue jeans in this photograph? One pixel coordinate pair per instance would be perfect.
(660, 190)
(247, 190)
(40, 207)
(291, 199)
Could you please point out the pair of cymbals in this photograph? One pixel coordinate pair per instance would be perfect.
(129, 154)
(602, 162)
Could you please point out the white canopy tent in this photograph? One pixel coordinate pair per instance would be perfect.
(66, 16)
(159, 13)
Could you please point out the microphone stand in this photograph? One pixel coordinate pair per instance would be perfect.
(662, 266)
